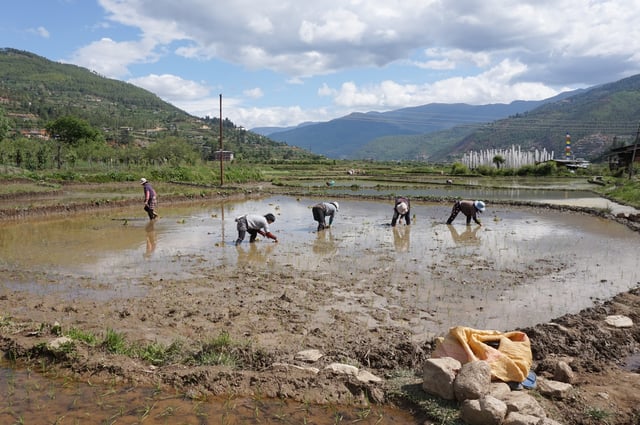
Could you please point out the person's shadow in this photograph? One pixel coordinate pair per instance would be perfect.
(468, 237)
(401, 238)
(151, 239)
(325, 244)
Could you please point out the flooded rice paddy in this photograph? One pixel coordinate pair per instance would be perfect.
(522, 267)
(566, 261)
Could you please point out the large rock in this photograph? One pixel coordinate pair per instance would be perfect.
(484, 411)
(473, 381)
(515, 418)
(524, 404)
(555, 389)
(438, 376)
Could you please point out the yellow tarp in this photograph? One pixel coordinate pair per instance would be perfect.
(511, 361)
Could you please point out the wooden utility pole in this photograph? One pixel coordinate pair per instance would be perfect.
(633, 155)
(221, 155)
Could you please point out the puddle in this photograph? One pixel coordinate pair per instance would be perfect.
(28, 397)
(632, 363)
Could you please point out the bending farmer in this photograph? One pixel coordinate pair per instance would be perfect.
(401, 209)
(254, 224)
(468, 208)
(323, 210)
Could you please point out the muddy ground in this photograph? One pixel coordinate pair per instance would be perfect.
(267, 331)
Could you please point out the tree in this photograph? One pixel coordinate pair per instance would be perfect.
(69, 130)
(4, 124)
(498, 160)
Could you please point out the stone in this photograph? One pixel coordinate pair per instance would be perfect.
(515, 418)
(309, 356)
(472, 381)
(554, 389)
(485, 411)
(366, 376)
(619, 321)
(438, 376)
(564, 373)
(342, 369)
(524, 404)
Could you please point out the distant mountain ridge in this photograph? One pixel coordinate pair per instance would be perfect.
(345, 137)
(34, 90)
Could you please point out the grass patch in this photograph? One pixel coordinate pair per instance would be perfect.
(599, 415)
(218, 351)
(405, 386)
(80, 335)
(115, 343)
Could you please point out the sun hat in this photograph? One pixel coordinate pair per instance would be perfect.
(143, 180)
(402, 208)
(479, 205)
(336, 205)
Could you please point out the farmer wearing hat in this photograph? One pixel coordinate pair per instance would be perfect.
(401, 209)
(468, 208)
(150, 199)
(254, 224)
(323, 210)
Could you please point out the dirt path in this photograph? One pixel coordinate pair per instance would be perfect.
(253, 324)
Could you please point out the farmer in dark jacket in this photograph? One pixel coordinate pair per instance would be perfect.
(468, 208)
(401, 209)
(323, 210)
(150, 199)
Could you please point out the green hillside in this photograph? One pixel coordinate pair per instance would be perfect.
(35, 90)
(596, 120)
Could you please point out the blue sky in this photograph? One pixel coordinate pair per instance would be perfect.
(283, 62)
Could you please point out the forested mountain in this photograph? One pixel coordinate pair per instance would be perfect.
(367, 135)
(35, 90)
(596, 120)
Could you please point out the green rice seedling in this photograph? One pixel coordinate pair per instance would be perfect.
(599, 415)
(146, 411)
(115, 342)
(80, 335)
(218, 351)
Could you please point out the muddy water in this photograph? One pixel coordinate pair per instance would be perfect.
(522, 267)
(553, 262)
(32, 397)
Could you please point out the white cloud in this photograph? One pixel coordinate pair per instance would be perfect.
(40, 31)
(275, 116)
(112, 59)
(172, 87)
(254, 93)
(413, 51)
(497, 85)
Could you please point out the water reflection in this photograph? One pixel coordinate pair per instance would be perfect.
(151, 239)
(401, 238)
(325, 243)
(468, 237)
(27, 397)
(254, 254)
